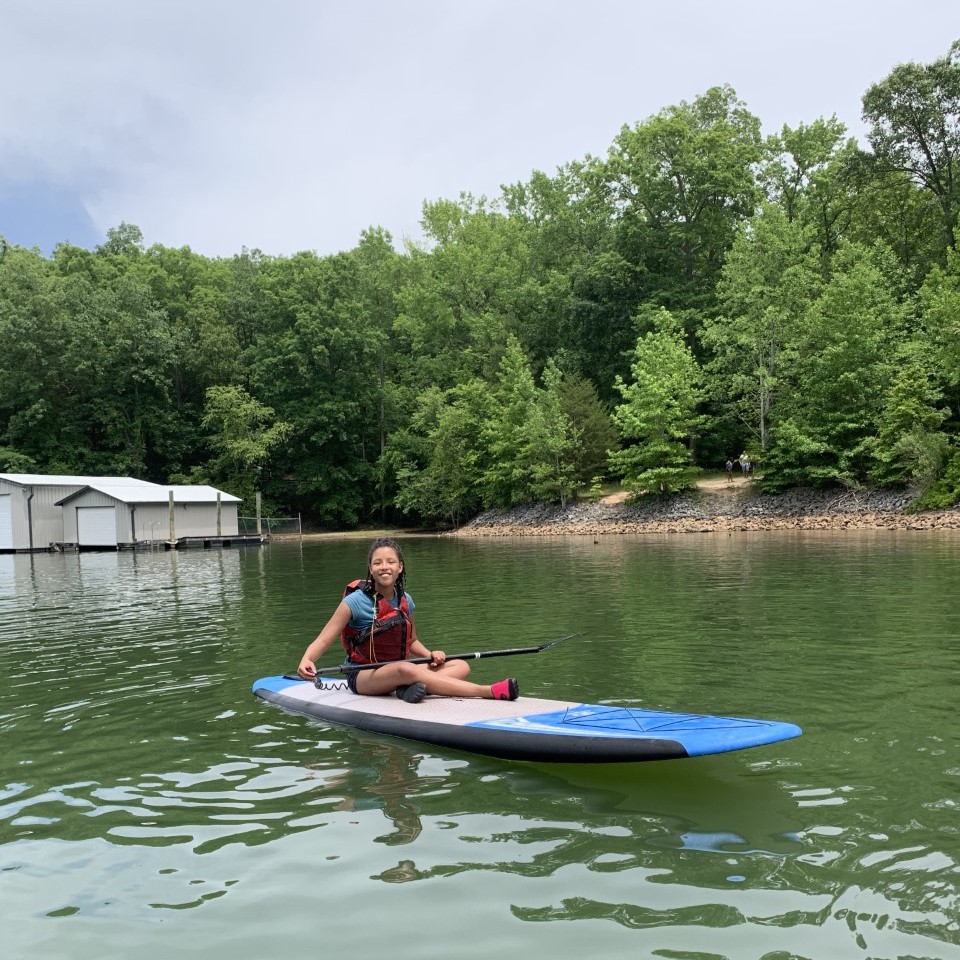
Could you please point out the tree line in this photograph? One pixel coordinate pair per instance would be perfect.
(632, 318)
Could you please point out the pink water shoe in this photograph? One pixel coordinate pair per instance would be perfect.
(507, 689)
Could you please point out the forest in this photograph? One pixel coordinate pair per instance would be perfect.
(633, 319)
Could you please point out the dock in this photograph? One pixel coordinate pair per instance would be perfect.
(240, 540)
(182, 543)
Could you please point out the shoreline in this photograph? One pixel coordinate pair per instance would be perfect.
(721, 509)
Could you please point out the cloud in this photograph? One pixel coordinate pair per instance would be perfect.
(295, 126)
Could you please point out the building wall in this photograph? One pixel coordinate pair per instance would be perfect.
(56, 524)
(151, 521)
(47, 516)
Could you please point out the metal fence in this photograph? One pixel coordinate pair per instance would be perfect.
(248, 526)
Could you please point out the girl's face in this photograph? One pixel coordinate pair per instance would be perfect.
(385, 567)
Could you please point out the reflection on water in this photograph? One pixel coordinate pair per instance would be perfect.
(141, 783)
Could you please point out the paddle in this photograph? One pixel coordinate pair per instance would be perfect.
(480, 655)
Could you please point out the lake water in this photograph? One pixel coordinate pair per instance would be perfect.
(150, 806)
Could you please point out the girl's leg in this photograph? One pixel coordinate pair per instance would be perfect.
(446, 681)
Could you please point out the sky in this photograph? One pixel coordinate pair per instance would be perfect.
(297, 124)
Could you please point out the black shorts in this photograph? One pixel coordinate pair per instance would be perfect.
(352, 680)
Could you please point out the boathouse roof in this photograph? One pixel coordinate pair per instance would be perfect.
(139, 492)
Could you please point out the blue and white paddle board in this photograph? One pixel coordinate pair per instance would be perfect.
(527, 728)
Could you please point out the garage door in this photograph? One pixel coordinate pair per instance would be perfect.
(6, 522)
(96, 526)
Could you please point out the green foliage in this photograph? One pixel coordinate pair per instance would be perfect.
(658, 415)
(768, 283)
(591, 424)
(889, 208)
(809, 176)
(85, 369)
(798, 458)
(528, 440)
(940, 310)
(683, 181)
(840, 370)
(915, 129)
(437, 460)
(819, 329)
(554, 442)
(123, 241)
(945, 492)
(322, 356)
(12, 461)
(472, 290)
(242, 434)
(910, 447)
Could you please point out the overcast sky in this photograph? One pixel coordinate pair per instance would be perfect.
(295, 124)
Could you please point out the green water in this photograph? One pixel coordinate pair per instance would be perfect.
(151, 807)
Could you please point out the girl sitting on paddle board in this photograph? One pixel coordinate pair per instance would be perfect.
(374, 621)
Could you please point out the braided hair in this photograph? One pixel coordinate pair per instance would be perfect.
(401, 587)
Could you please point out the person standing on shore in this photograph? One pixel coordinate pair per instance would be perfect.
(744, 463)
(729, 470)
(374, 622)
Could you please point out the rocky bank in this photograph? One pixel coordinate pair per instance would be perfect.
(727, 508)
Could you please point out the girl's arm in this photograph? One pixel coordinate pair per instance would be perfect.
(325, 639)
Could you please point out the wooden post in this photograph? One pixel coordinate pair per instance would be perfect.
(219, 521)
(173, 526)
(259, 521)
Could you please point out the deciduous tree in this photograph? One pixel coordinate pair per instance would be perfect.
(914, 117)
(659, 413)
(771, 276)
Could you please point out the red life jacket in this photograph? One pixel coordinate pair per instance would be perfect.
(390, 636)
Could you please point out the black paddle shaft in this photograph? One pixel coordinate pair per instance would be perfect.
(479, 655)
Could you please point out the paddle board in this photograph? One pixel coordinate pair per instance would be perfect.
(527, 728)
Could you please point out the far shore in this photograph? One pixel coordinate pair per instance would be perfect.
(717, 506)
(934, 520)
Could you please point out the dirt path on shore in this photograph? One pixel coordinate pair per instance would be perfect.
(712, 485)
(723, 485)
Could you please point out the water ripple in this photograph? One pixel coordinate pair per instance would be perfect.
(141, 783)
